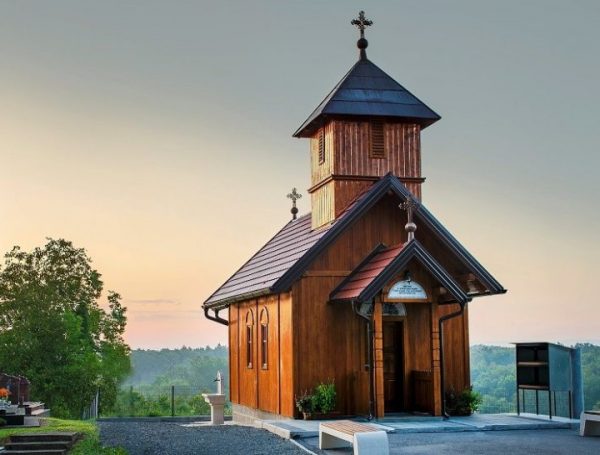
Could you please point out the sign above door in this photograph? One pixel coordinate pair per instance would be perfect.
(406, 290)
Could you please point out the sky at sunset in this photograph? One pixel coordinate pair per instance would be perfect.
(157, 135)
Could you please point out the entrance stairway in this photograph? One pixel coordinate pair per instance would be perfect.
(40, 444)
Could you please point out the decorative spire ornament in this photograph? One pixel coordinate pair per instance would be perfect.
(294, 196)
(410, 226)
(361, 23)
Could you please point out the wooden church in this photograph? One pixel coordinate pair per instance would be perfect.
(369, 290)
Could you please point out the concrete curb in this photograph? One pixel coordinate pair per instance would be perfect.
(186, 419)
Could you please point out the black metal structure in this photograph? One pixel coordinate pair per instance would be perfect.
(544, 367)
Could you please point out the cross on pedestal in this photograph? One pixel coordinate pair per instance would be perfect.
(410, 226)
(294, 196)
(361, 23)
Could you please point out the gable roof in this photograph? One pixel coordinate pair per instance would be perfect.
(366, 90)
(383, 264)
(284, 259)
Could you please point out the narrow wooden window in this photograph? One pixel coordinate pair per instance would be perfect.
(377, 141)
(249, 338)
(264, 345)
(322, 145)
(264, 338)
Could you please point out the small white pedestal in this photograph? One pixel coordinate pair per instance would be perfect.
(217, 405)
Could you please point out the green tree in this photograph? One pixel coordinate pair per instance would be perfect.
(53, 330)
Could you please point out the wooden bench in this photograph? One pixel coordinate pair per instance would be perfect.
(589, 423)
(366, 439)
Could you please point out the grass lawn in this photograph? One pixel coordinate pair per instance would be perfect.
(88, 445)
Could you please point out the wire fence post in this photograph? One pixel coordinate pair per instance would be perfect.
(131, 401)
(172, 401)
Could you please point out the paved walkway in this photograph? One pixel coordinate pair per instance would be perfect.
(298, 429)
(511, 442)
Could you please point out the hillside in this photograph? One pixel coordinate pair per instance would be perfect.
(150, 366)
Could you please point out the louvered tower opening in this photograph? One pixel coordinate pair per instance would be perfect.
(377, 142)
(322, 145)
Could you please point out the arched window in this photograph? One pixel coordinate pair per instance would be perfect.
(264, 338)
(249, 338)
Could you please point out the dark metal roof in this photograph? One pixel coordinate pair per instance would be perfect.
(369, 278)
(366, 90)
(269, 263)
(284, 259)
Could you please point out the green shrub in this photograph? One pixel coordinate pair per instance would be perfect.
(324, 398)
(464, 403)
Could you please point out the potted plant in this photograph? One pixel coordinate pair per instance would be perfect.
(464, 403)
(304, 403)
(4, 394)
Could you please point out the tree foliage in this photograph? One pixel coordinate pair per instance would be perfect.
(53, 330)
(147, 392)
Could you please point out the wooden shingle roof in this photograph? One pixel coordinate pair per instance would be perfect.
(270, 262)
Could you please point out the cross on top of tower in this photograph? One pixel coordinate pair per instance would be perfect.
(294, 196)
(361, 23)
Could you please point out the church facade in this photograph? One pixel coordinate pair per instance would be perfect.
(369, 290)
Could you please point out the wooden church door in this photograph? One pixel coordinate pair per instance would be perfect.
(393, 365)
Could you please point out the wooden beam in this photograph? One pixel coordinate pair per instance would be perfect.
(378, 348)
(327, 273)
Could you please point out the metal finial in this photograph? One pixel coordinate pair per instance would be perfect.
(294, 196)
(361, 23)
(410, 226)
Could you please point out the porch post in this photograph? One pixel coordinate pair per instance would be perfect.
(435, 361)
(379, 383)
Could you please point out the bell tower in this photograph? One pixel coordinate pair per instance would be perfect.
(368, 126)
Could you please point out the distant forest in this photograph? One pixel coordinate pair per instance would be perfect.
(171, 381)
(194, 367)
(192, 371)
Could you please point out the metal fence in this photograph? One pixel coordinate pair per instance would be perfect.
(153, 401)
(499, 403)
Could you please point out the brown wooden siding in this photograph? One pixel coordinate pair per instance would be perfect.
(286, 359)
(352, 146)
(248, 380)
(321, 170)
(349, 166)
(268, 378)
(456, 350)
(329, 344)
(322, 329)
(234, 354)
(323, 205)
(269, 389)
(318, 341)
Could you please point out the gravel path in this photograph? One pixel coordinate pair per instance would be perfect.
(167, 438)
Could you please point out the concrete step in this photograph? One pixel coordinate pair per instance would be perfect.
(41, 445)
(34, 452)
(31, 406)
(45, 437)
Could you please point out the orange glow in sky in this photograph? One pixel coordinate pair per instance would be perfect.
(160, 141)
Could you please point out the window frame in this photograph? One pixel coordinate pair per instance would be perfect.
(264, 339)
(250, 339)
